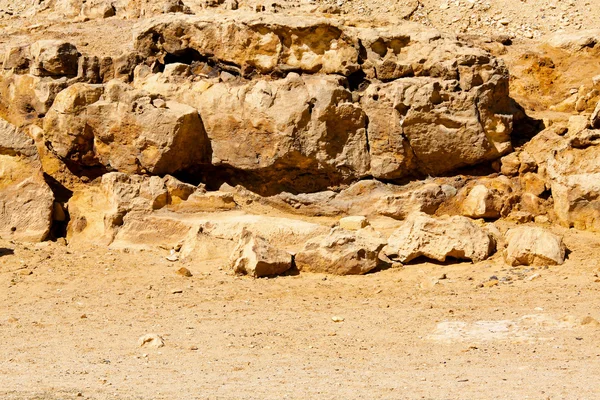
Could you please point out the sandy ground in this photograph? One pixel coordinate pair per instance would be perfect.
(70, 321)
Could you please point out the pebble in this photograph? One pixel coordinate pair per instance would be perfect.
(184, 272)
(151, 340)
(337, 319)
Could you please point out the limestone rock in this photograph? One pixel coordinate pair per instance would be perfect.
(254, 256)
(307, 44)
(342, 252)
(573, 174)
(534, 246)
(98, 212)
(489, 198)
(432, 127)
(354, 223)
(301, 133)
(119, 128)
(439, 238)
(54, 58)
(26, 201)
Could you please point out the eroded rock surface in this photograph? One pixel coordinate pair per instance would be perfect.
(26, 201)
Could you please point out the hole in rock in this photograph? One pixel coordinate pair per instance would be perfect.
(358, 81)
(60, 213)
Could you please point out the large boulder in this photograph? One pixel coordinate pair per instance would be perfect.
(438, 238)
(301, 133)
(119, 128)
(534, 246)
(26, 201)
(431, 126)
(342, 252)
(255, 256)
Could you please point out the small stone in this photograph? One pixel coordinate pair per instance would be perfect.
(83, 316)
(590, 321)
(194, 348)
(337, 319)
(354, 223)
(176, 291)
(184, 272)
(491, 283)
(534, 276)
(151, 340)
(173, 256)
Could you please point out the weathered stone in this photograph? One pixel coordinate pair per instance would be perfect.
(54, 58)
(489, 198)
(255, 256)
(25, 98)
(308, 44)
(510, 164)
(534, 246)
(26, 201)
(119, 128)
(430, 126)
(341, 252)
(301, 133)
(354, 223)
(98, 212)
(577, 123)
(439, 238)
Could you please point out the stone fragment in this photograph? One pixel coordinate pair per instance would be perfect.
(577, 123)
(439, 238)
(534, 246)
(151, 340)
(354, 223)
(254, 256)
(341, 252)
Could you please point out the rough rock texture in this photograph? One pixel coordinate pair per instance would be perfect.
(412, 102)
(457, 237)
(26, 201)
(341, 252)
(534, 246)
(254, 256)
(119, 128)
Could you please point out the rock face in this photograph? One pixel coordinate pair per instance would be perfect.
(254, 256)
(573, 171)
(118, 128)
(341, 252)
(413, 102)
(26, 201)
(534, 246)
(457, 237)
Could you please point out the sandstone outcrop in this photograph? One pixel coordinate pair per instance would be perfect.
(534, 246)
(341, 252)
(438, 238)
(26, 201)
